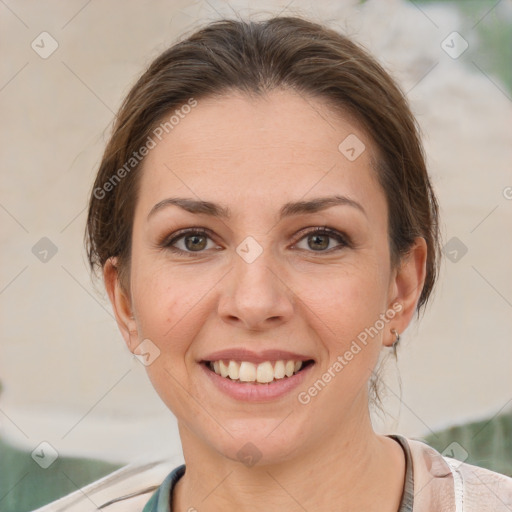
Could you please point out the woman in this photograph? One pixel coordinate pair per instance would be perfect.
(265, 227)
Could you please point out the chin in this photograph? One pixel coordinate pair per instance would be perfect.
(253, 442)
(257, 449)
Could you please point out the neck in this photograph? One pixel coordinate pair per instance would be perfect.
(350, 468)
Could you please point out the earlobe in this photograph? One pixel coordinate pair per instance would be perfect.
(406, 288)
(121, 303)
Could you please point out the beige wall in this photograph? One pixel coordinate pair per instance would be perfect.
(67, 375)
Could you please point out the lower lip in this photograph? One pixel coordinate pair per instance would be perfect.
(254, 391)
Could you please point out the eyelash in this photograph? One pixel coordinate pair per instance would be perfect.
(168, 242)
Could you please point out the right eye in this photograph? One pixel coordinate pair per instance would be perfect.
(192, 240)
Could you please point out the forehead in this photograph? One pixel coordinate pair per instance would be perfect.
(235, 146)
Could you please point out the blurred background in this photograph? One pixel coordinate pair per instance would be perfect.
(68, 380)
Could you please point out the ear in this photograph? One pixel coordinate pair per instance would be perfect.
(121, 304)
(405, 288)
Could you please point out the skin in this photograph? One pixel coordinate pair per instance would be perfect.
(253, 155)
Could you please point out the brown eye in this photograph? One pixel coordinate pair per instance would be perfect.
(195, 242)
(319, 240)
(189, 241)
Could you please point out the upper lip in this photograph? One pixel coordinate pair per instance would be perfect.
(242, 354)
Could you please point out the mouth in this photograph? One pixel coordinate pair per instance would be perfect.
(264, 373)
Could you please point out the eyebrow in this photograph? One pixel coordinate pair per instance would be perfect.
(287, 210)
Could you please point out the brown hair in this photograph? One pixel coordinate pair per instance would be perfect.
(254, 58)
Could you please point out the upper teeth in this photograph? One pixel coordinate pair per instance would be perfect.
(250, 372)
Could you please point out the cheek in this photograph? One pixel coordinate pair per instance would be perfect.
(167, 304)
(344, 308)
(170, 312)
(347, 301)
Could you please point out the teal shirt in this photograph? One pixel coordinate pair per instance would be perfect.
(161, 499)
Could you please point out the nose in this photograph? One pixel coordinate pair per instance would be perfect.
(255, 295)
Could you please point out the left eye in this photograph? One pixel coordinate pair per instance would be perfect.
(319, 240)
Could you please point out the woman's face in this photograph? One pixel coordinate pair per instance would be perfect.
(257, 286)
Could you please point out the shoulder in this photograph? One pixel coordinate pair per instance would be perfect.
(127, 489)
(483, 490)
(445, 481)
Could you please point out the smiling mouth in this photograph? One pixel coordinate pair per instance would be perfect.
(262, 373)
